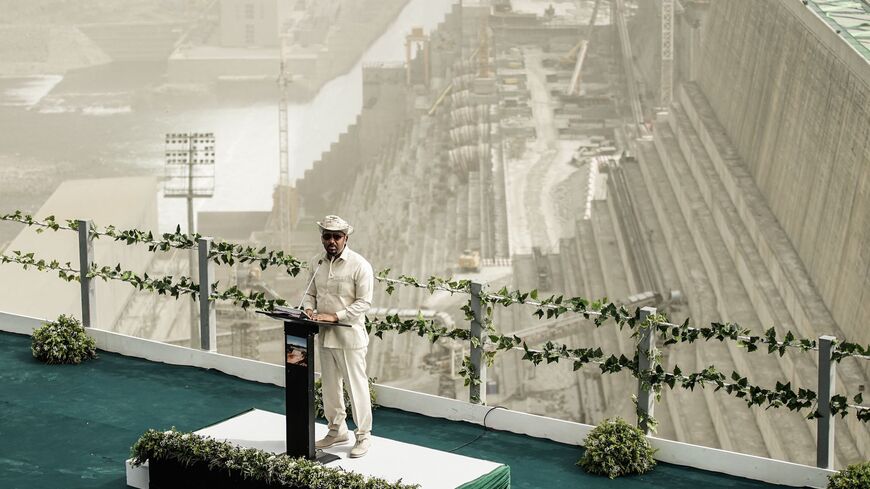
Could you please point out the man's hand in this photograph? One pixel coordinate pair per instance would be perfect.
(325, 317)
(309, 313)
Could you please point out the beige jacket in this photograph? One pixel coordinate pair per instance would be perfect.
(342, 287)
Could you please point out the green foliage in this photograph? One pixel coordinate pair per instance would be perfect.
(63, 341)
(318, 398)
(221, 253)
(253, 464)
(855, 476)
(432, 284)
(423, 328)
(600, 311)
(27, 260)
(615, 448)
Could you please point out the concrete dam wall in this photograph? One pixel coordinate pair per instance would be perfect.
(794, 99)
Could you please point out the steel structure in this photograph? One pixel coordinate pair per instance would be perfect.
(190, 174)
(417, 38)
(667, 67)
(283, 191)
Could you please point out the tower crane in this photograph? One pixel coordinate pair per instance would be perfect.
(284, 191)
(667, 68)
(578, 53)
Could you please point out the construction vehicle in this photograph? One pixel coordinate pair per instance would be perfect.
(542, 266)
(469, 261)
(643, 299)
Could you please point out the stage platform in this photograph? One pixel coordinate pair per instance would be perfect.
(388, 459)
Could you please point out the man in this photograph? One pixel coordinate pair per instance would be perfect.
(342, 292)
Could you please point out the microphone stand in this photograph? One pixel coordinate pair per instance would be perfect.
(313, 275)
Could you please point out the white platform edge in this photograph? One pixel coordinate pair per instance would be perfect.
(669, 451)
(156, 351)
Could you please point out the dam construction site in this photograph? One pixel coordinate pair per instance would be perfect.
(707, 158)
(529, 135)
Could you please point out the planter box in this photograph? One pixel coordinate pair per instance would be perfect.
(169, 474)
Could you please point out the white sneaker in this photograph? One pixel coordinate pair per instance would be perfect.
(360, 448)
(330, 440)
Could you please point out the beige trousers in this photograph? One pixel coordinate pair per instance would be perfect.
(346, 366)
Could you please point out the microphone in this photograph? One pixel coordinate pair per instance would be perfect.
(313, 275)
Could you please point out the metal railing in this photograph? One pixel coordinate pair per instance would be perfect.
(646, 397)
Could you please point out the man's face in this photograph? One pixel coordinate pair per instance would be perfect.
(333, 242)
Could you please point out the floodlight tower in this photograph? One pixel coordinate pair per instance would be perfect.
(190, 174)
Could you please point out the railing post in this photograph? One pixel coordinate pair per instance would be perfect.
(646, 343)
(207, 316)
(86, 259)
(825, 422)
(477, 393)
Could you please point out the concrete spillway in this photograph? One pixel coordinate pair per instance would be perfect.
(794, 99)
(695, 211)
(766, 155)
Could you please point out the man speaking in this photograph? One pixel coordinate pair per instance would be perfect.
(342, 292)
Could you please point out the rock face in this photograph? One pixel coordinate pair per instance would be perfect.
(46, 49)
(55, 36)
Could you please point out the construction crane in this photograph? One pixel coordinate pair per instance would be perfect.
(284, 192)
(483, 67)
(449, 87)
(667, 71)
(578, 53)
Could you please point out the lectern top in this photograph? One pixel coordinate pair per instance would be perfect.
(282, 312)
(292, 313)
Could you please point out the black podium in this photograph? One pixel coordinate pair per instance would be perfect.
(299, 332)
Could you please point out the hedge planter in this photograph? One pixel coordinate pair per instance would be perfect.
(171, 474)
(185, 460)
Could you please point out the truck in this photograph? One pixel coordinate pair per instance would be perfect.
(469, 261)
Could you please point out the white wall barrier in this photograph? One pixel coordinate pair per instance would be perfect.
(568, 432)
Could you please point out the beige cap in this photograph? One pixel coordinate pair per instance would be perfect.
(335, 223)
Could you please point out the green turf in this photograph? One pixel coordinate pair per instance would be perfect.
(72, 426)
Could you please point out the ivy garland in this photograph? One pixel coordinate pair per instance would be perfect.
(27, 260)
(49, 222)
(652, 379)
(599, 311)
(428, 328)
(167, 285)
(432, 284)
(551, 307)
(222, 252)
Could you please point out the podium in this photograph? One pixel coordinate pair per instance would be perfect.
(299, 350)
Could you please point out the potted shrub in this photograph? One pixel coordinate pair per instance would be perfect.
(854, 476)
(615, 448)
(63, 341)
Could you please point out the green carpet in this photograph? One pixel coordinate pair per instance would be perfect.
(499, 478)
(72, 426)
(537, 463)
